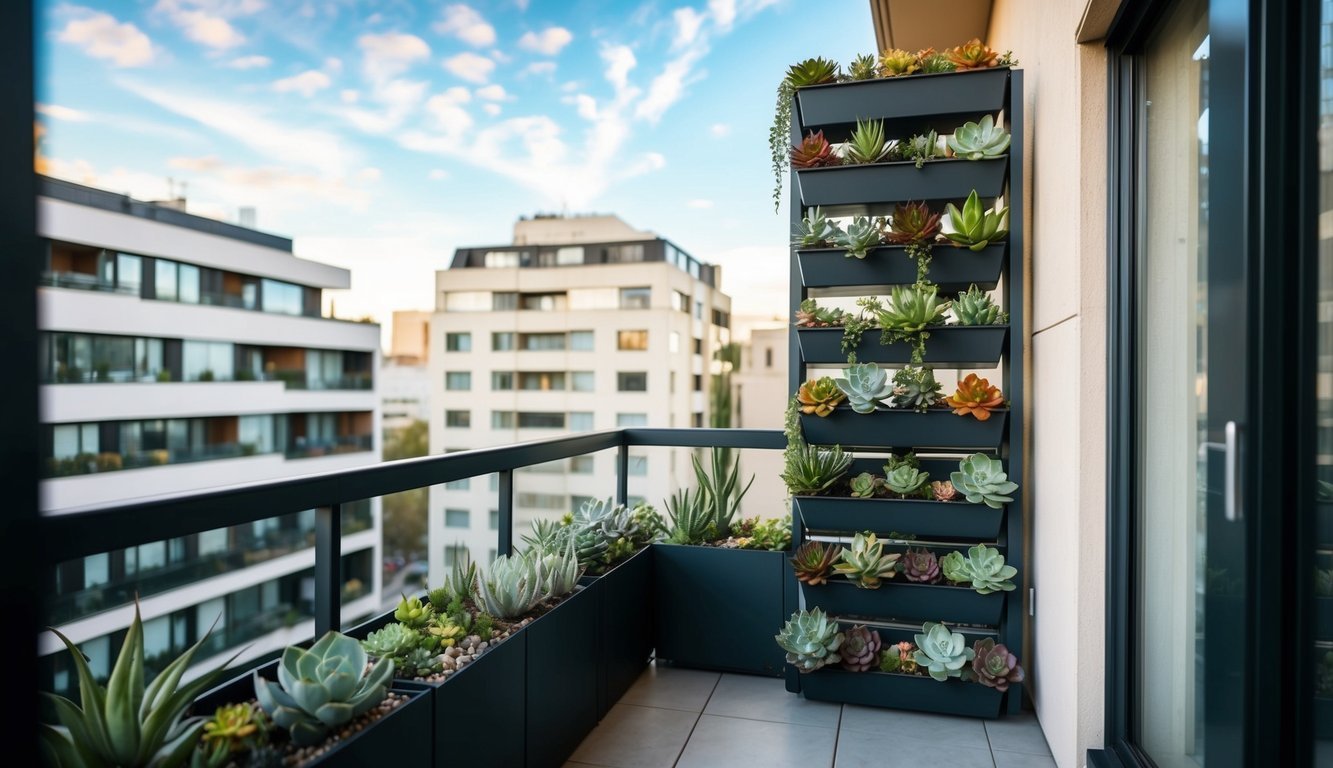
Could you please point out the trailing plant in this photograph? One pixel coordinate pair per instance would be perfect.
(813, 562)
(896, 62)
(814, 151)
(983, 568)
(322, 688)
(510, 587)
(860, 236)
(866, 386)
(721, 489)
(814, 71)
(811, 315)
(982, 480)
(811, 640)
(905, 480)
(920, 566)
(690, 519)
(811, 470)
(976, 307)
(973, 227)
(866, 486)
(994, 666)
(975, 397)
(973, 54)
(943, 490)
(819, 396)
(126, 723)
(863, 67)
(915, 387)
(817, 230)
(867, 143)
(974, 141)
(865, 562)
(860, 648)
(854, 326)
(941, 651)
(920, 148)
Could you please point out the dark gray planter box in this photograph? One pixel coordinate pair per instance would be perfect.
(911, 692)
(929, 520)
(625, 627)
(736, 593)
(831, 272)
(562, 678)
(1323, 719)
(1323, 611)
(907, 105)
(1324, 522)
(896, 428)
(910, 603)
(847, 190)
(949, 346)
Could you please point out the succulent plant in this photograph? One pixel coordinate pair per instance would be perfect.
(511, 587)
(866, 386)
(866, 486)
(933, 63)
(941, 651)
(943, 490)
(906, 657)
(816, 71)
(559, 572)
(721, 489)
(867, 143)
(973, 141)
(860, 648)
(973, 227)
(322, 688)
(863, 67)
(982, 480)
(392, 641)
(905, 480)
(809, 72)
(973, 54)
(889, 660)
(817, 230)
(419, 662)
(912, 309)
(975, 397)
(861, 235)
(976, 307)
(547, 535)
(909, 459)
(915, 387)
(814, 151)
(234, 729)
(811, 640)
(125, 723)
(920, 566)
(813, 561)
(461, 581)
(896, 62)
(865, 562)
(811, 469)
(921, 148)
(413, 612)
(690, 518)
(983, 568)
(994, 666)
(819, 396)
(811, 315)
(912, 223)
(772, 534)
(442, 634)
(649, 522)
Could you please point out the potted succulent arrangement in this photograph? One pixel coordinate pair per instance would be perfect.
(937, 670)
(713, 570)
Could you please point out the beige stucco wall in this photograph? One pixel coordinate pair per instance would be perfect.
(1065, 142)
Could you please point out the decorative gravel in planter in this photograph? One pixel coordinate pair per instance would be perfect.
(562, 677)
(915, 692)
(898, 428)
(931, 520)
(949, 346)
(830, 272)
(908, 602)
(846, 190)
(907, 105)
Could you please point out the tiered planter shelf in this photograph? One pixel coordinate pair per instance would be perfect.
(847, 189)
(950, 346)
(931, 520)
(896, 428)
(905, 602)
(954, 99)
(914, 692)
(831, 272)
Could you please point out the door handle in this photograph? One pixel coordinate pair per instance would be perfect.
(1233, 508)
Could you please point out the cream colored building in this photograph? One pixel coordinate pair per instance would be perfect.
(760, 392)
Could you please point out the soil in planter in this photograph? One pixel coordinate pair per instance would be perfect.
(470, 648)
(294, 756)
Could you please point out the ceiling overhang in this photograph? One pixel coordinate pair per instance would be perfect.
(913, 25)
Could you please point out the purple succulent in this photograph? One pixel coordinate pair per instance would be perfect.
(921, 566)
(860, 648)
(994, 666)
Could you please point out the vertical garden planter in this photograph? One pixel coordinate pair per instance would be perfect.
(736, 593)
(625, 627)
(562, 677)
(901, 102)
(834, 273)
(914, 692)
(844, 190)
(897, 428)
(949, 346)
(907, 602)
(932, 520)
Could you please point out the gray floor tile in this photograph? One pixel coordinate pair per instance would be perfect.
(1021, 733)
(727, 742)
(636, 737)
(887, 749)
(938, 729)
(1022, 760)
(766, 698)
(670, 688)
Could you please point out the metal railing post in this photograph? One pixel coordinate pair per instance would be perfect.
(328, 568)
(622, 473)
(506, 504)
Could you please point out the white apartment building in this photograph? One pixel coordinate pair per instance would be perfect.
(761, 393)
(584, 324)
(180, 353)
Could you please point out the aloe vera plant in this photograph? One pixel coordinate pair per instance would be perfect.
(866, 386)
(974, 141)
(974, 227)
(511, 586)
(689, 516)
(811, 469)
(721, 489)
(912, 309)
(867, 143)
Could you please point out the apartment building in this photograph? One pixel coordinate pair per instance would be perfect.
(584, 323)
(760, 393)
(178, 353)
(404, 385)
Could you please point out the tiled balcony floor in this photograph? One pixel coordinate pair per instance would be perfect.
(687, 718)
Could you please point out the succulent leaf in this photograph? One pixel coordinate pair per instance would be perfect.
(861, 235)
(973, 227)
(974, 141)
(819, 396)
(921, 566)
(973, 54)
(865, 562)
(817, 230)
(915, 387)
(897, 62)
(811, 640)
(866, 486)
(511, 586)
(322, 688)
(860, 648)
(976, 307)
(814, 151)
(975, 397)
(816, 71)
(912, 309)
(866, 386)
(811, 469)
(813, 561)
(912, 223)
(994, 666)
(982, 480)
(905, 480)
(867, 143)
(863, 67)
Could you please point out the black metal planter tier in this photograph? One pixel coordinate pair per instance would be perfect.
(625, 624)
(937, 428)
(954, 98)
(874, 188)
(914, 692)
(929, 520)
(901, 600)
(562, 679)
(949, 346)
(831, 272)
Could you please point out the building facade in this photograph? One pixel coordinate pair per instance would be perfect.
(536, 340)
(178, 352)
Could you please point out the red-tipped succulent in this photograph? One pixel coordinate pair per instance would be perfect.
(814, 151)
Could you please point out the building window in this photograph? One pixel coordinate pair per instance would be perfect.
(458, 381)
(282, 298)
(633, 341)
(467, 301)
(540, 420)
(501, 259)
(698, 346)
(494, 515)
(623, 254)
(698, 383)
(768, 357)
(580, 421)
(672, 388)
(502, 342)
(721, 319)
(631, 419)
(632, 381)
(636, 298)
(582, 381)
(542, 342)
(682, 301)
(582, 465)
(543, 302)
(540, 500)
(580, 341)
(502, 381)
(461, 419)
(541, 381)
(698, 310)
(457, 518)
(697, 420)
(457, 342)
(502, 420)
(504, 302)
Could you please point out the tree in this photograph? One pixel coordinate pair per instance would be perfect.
(405, 532)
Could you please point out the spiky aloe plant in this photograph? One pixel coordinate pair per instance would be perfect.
(866, 386)
(866, 486)
(921, 147)
(559, 572)
(973, 54)
(860, 236)
(912, 223)
(863, 67)
(915, 387)
(975, 397)
(983, 568)
(805, 73)
(322, 688)
(819, 396)
(721, 489)
(976, 307)
(905, 481)
(933, 63)
(817, 230)
(973, 227)
(690, 521)
(811, 315)
(982, 480)
(811, 470)
(813, 561)
(912, 309)
(510, 587)
(896, 62)
(867, 143)
(547, 535)
(941, 651)
(811, 640)
(974, 141)
(814, 151)
(865, 562)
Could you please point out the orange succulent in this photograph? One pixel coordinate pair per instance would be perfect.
(975, 396)
(973, 54)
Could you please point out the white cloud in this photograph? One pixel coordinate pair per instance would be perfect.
(466, 24)
(206, 21)
(548, 42)
(101, 36)
(307, 83)
(667, 88)
(270, 188)
(688, 22)
(539, 68)
(491, 109)
(723, 13)
(494, 92)
(249, 62)
(699, 203)
(587, 106)
(719, 130)
(397, 99)
(333, 64)
(446, 108)
(369, 175)
(619, 61)
(349, 95)
(470, 67)
(391, 53)
(437, 174)
(57, 112)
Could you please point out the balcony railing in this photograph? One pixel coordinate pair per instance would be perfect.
(84, 282)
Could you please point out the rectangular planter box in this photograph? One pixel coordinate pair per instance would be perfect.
(851, 189)
(907, 105)
(488, 696)
(911, 692)
(949, 346)
(1323, 612)
(937, 428)
(910, 603)
(831, 272)
(562, 678)
(929, 520)
(399, 733)
(736, 593)
(1324, 522)
(625, 627)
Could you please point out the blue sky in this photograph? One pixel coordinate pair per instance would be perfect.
(382, 135)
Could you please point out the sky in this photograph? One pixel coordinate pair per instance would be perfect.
(382, 134)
